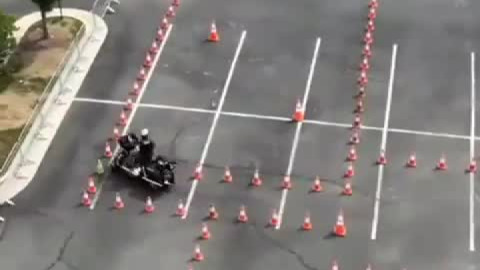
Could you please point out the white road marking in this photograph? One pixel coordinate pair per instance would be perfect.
(135, 107)
(215, 121)
(383, 145)
(277, 118)
(472, 154)
(293, 151)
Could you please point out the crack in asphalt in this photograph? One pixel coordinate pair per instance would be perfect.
(61, 253)
(299, 257)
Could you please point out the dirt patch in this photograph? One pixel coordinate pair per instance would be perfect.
(29, 71)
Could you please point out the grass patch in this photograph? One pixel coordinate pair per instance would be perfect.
(7, 141)
(28, 72)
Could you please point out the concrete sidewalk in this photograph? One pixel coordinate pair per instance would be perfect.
(35, 146)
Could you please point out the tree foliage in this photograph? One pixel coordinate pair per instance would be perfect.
(44, 6)
(7, 27)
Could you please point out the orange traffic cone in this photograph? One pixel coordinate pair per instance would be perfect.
(350, 172)
(159, 37)
(136, 89)
(307, 223)
(142, 75)
(148, 61)
(273, 219)
(197, 254)
(154, 48)
(108, 150)
(164, 24)
(412, 161)
(123, 119)
(362, 79)
(116, 134)
(368, 39)
(317, 185)
(92, 189)
(340, 229)
(86, 201)
(367, 51)
(227, 177)
(119, 204)
(361, 93)
(370, 26)
(180, 209)
(214, 36)
(176, 3)
(170, 12)
(256, 180)
(364, 66)
(355, 138)
(352, 154)
(299, 114)
(197, 174)
(372, 13)
(359, 108)
(205, 232)
(373, 4)
(335, 265)
(212, 212)
(149, 207)
(382, 160)
(442, 164)
(242, 215)
(287, 182)
(472, 167)
(129, 104)
(347, 190)
(356, 121)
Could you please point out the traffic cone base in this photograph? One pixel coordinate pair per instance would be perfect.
(350, 172)
(307, 223)
(119, 204)
(214, 36)
(198, 255)
(92, 189)
(472, 167)
(352, 155)
(86, 201)
(412, 161)
(287, 183)
(212, 213)
(317, 185)
(227, 178)
(242, 216)
(197, 175)
(205, 232)
(149, 207)
(299, 114)
(180, 209)
(108, 151)
(442, 164)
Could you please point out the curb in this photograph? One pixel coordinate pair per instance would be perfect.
(43, 130)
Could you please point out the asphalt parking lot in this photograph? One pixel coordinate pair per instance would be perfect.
(425, 218)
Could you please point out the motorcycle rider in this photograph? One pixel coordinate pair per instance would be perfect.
(147, 148)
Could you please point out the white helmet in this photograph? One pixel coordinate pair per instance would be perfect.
(144, 132)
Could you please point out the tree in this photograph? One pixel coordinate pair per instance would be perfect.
(7, 27)
(44, 6)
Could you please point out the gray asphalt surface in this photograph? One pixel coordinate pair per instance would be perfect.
(423, 220)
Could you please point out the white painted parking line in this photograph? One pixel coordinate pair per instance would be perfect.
(135, 107)
(293, 151)
(279, 118)
(472, 154)
(383, 145)
(215, 121)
